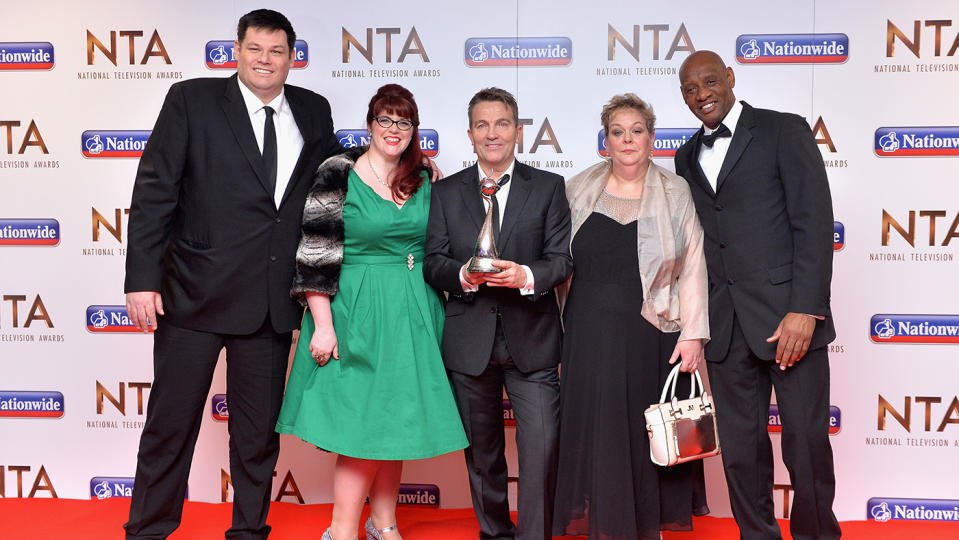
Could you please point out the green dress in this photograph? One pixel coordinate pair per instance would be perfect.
(388, 396)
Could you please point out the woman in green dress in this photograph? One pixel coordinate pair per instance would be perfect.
(367, 380)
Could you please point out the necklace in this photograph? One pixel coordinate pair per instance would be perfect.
(376, 174)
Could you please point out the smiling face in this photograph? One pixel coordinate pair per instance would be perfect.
(389, 142)
(707, 87)
(263, 61)
(493, 132)
(628, 141)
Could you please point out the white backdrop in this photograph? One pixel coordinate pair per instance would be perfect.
(896, 431)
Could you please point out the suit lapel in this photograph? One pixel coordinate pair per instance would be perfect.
(472, 199)
(518, 193)
(239, 119)
(304, 122)
(737, 146)
(694, 167)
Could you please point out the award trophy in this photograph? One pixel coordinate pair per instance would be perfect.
(485, 250)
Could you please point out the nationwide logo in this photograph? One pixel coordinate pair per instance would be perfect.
(667, 142)
(113, 144)
(917, 141)
(351, 138)
(419, 495)
(29, 232)
(914, 328)
(518, 51)
(883, 509)
(26, 55)
(218, 408)
(23, 404)
(838, 235)
(103, 319)
(219, 54)
(508, 418)
(776, 426)
(792, 48)
(107, 487)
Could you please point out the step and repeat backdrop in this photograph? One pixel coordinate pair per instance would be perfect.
(82, 85)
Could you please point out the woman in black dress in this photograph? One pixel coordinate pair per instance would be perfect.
(636, 304)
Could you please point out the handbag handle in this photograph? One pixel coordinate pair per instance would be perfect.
(670, 384)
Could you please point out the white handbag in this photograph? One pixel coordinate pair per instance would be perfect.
(681, 431)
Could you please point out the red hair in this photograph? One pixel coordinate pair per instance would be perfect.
(398, 101)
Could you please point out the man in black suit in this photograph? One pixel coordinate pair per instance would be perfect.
(503, 329)
(214, 226)
(760, 189)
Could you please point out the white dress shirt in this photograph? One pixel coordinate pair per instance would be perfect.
(502, 196)
(711, 159)
(289, 142)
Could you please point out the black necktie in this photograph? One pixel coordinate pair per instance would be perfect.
(499, 183)
(269, 149)
(723, 131)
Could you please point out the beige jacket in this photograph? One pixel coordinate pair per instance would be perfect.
(670, 247)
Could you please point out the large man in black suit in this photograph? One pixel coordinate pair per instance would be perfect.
(503, 329)
(214, 226)
(761, 192)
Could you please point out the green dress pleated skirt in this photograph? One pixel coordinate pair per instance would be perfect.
(388, 396)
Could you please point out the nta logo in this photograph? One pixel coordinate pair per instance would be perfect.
(26, 55)
(917, 141)
(412, 46)
(29, 232)
(154, 47)
(681, 41)
(792, 48)
(518, 51)
(220, 54)
(31, 138)
(893, 32)
(909, 232)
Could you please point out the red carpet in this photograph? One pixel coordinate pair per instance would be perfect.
(55, 519)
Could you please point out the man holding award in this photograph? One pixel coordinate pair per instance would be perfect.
(498, 242)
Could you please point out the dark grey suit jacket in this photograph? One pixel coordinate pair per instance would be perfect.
(768, 230)
(204, 230)
(535, 232)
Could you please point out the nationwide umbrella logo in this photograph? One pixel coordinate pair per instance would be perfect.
(838, 235)
(518, 51)
(667, 142)
(29, 232)
(108, 487)
(24, 404)
(113, 144)
(218, 408)
(792, 48)
(419, 495)
(110, 319)
(883, 509)
(776, 425)
(914, 328)
(917, 141)
(219, 54)
(351, 138)
(26, 55)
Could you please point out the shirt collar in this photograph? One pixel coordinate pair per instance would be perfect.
(253, 103)
(730, 121)
(509, 170)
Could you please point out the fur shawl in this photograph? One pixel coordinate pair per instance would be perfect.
(320, 253)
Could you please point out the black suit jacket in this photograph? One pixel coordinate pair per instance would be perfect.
(768, 230)
(204, 230)
(535, 232)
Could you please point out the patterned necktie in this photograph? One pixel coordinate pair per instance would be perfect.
(269, 150)
(710, 139)
(491, 193)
